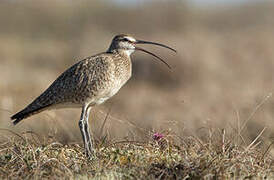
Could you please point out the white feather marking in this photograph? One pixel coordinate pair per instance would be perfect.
(129, 51)
(130, 38)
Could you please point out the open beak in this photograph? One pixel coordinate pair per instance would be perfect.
(158, 44)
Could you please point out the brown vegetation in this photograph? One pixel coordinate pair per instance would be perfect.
(222, 79)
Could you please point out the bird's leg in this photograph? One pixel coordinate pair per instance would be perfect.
(87, 130)
(84, 128)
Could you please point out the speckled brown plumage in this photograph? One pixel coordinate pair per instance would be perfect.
(92, 80)
(89, 82)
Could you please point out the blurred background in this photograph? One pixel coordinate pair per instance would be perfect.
(222, 75)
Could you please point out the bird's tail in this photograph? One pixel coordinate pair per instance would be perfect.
(25, 113)
(20, 116)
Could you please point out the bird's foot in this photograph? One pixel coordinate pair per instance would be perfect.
(91, 155)
(90, 151)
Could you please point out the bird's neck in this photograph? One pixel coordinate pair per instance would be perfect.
(121, 52)
(123, 64)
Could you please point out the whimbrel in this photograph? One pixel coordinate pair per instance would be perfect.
(89, 82)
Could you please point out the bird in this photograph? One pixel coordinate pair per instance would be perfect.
(90, 82)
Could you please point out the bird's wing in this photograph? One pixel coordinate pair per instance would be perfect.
(72, 86)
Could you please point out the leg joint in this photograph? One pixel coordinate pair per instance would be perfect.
(81, 123)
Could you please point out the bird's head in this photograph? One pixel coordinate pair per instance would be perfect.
(127, 44)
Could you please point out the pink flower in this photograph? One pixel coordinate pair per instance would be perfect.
(157, 136)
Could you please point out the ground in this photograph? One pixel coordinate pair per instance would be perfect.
(163, 156)
(210, 117)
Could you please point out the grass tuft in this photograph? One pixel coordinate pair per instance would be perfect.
(170, 157)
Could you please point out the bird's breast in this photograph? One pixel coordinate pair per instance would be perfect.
(121, 74)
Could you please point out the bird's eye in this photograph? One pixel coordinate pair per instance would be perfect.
(125, 39)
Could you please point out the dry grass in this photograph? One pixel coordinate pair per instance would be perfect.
(222, 78)
(26, 156)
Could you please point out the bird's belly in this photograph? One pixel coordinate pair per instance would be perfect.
(101, 100)
(106, 97)
(111, 92)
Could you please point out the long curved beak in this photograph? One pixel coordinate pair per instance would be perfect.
(158, 44)
(163, 61)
